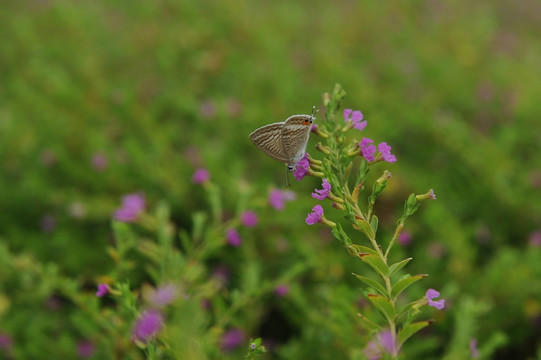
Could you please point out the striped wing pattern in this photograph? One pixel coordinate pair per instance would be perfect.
(295, 133)
(268, 139)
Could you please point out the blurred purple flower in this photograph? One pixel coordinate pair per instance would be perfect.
(148, 325)
(103, 289)
(315, 216)
(277, 198)
(85, 349)
(200, 176)
(47, 223)
(473, 348)
(301, 168)
(248, 218)
(313, 128)
(163, 295)
(430, 295)
(371, 351)
(323, 193)
(233, 237)
(384, 343)
(132, 206)
(99, 162)
(387, 341)
(368, 149)
(232, 339)
(6, 341)
(404, 238)
(385, 151)
(356, 118)
(207, 109)
(535, 238)
(281, 290)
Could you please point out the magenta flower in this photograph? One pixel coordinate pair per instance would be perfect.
(200, 176)
(371, 351)
(148, 325)
(302, 167)
(277, 198)
(368, 149)
(248, 218)
(356, 119)
(473, 348)
(6, 341)
(232, 339)
(384, 343)
(404, 238)
(313, 128)
(99, 162)
(535, 239)
(233, 237)
(85, 349)
(431, 195)
(281, 290)
(430, 295)
(385, 151)
(103, 289)
(386, 340)
(323, 193)
(315, 216)
(163, 295)
(132, 206)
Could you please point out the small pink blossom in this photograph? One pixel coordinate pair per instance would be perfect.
(301, 168)
(232, 339)
(368, 149)
(148, 325)
(535, 239)
(277, 198)
(85, 349)
(356, 119)
(248, 218)
(404, 238)
(6, 341)
(233, 237)
(432, 294)
(281, 290)
(315, 216)
(103, 289)
(473, 348)
(200, 176)
(99, 162)
(323, 193)
(163, 295)
(385, 151)
(132, 206)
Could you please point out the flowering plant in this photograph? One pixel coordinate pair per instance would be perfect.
(335, 170)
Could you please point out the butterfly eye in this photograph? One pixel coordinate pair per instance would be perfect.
(306, 122)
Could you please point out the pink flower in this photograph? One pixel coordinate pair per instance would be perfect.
(473, 348)
(148, 325)
(85, 349)
(132, 206)
(356, 119)
(248, 218)
(233, 237)
(368, 149)
(404, 238)
(384, 343)
(277, 198)
(315, 216)
(385, 151)
(163, 295)
(103, 289)
(302, 167)
(99, 162)
(535, 238)
(232, 339)
(322, 194)
(200, 176)
(6, 341)
(281, 290)
(430, 295)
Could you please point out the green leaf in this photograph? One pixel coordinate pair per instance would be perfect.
(403, 283)
(414, 305)
(409, 330)
(372, 326)
(377, 264)
(383, 305)
(374, 223)
(365, 227)
(341, 235)
(399, 265)
(373, 284)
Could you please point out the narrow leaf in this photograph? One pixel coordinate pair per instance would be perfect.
(364, 227)
(403, 283)
(373, 284)
(377, 264)
(409, 330)
(374, 223)
(399, 265)
(372, 326)
(384, 306)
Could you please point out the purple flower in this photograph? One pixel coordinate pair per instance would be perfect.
(233, 237)
(85, 349)
(281, 290)
(372, 352)
(535, 238)
(200, 176)
(386, 340)
(313, 128)
(368, 149)
(315, 216)
(163, 295)
(385, 151)
(473, 348)
(430, 295)
(248, 218)
(356, 119)
(231, 339)
(5, 341)
(99, 162)
(431, 195)
(132, 206)
(404, 238)
(221, 274)
(302, 167)
(103, 289)
(148, 325)
(323, 193)
(277, 198)
(384, 343)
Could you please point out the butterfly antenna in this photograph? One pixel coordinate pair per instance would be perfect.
(314, 111)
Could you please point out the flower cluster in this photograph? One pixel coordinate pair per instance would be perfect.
(368, 151)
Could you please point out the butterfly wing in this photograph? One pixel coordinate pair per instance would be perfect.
(268, 139)
(295, 133)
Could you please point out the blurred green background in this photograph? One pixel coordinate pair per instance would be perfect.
(100, 99)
